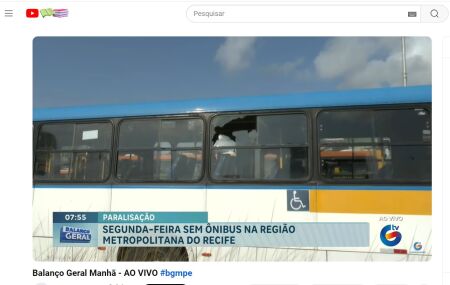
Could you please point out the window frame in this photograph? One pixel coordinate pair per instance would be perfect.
(73, 151)
(117, 149)
(323, 180)
(309, 145)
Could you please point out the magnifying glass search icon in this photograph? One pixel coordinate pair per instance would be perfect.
(434, 13)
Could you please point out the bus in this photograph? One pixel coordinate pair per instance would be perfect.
(357, 156)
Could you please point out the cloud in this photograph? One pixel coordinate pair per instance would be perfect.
(288, 67)
(236, 53)
(295, 69)
(374, 62)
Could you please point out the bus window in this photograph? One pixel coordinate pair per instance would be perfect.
(382, 145)
(73, 152)
(152, 150)
(259, 147)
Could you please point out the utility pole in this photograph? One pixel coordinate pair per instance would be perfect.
(405, 74)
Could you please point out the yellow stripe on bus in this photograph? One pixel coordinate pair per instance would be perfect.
(371, 202)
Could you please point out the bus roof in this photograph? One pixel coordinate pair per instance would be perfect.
(362, 97)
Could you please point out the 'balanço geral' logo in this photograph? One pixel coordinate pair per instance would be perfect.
(390, 235)
(70, 234)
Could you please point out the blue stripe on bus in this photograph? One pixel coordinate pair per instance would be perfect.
(367, 97)
(52, 186)
(241, 187)
(170, 187)
(103, 186)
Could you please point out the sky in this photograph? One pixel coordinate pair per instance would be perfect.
(77, 71)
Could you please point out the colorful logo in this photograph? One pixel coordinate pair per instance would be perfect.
(417, 246)
(75, 235)
(58, 13)
(46, 12)
(390, 235)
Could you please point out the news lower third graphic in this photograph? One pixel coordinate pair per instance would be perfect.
(92, 229)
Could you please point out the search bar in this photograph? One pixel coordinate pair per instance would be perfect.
(316, 14)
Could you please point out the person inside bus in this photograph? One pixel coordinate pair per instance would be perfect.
(271, 164)
(225, 157)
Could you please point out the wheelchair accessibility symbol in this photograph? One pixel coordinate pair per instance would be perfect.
(298, 200)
